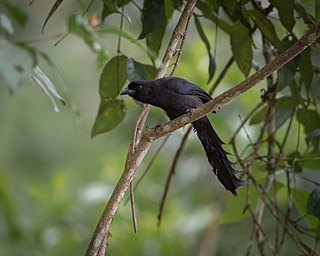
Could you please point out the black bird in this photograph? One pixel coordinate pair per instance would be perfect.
(177, 96)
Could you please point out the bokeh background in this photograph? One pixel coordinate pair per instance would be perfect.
(55, 180)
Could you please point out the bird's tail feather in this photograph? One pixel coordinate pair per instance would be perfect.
(217, 156)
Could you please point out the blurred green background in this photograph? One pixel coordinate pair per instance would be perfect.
(55, 180)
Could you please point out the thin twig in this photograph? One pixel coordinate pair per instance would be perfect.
(171, 173)
(133, 209)
(150, 164)
(183, 39)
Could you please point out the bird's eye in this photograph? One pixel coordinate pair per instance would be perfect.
(139, 87)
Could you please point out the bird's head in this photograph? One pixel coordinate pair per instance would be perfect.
(139, 90)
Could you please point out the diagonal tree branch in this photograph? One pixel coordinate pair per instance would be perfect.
(307, 40)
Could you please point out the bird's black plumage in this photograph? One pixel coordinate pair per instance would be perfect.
(177, 96)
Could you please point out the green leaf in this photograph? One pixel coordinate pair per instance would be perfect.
(152, 16)
(241, 47)
(317, 7)
(313, 204)
(79, 26)
(154, 39)
(266, 27)
(113, 6)
(306, 69)
(283, 110)
(285, 12)
(6, 24)
(150, 72)
(231, 7)
(315, 134)
(286, 74)
(307, 18)
(18, 14)
(16, 63)
(310, 160)
(311, 121)
(51, 12)
(259, 116)
(300, 198)
(169, 7)
(234, 211)
(177, 4)
(137, 71)
(113, 77)
(111, 113)
(212, 64)
(208, 14)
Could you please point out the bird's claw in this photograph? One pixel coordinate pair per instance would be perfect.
(157, 128)
(189, 111)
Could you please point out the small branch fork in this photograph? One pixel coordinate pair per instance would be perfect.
(139, 147)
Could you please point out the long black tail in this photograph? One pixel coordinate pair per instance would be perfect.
(217, 156)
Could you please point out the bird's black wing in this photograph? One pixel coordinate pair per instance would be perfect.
(182, 86)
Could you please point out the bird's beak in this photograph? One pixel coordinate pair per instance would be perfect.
(126, 91)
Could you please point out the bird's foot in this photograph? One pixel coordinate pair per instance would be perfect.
(189, 111)
(157, 128)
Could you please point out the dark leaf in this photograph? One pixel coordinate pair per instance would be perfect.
(212, 64)
(300, 197)
(295, 91)
(113, 6)
(18, 14)
(177, 4)
(208, 14)
(286, 74)
(51, 12)
(137, 71)
(285, 11)
(150, 72)
(306, 69)
(231, 7)
(307, 18)
(315, 56)
(313, 204)
(283, 110)
(266, 27)
(154, 39)
(241, 47)
(111, 113)
(317, 7)
(113, 77)
(152, 16)
(311, 121)
(315, 134)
